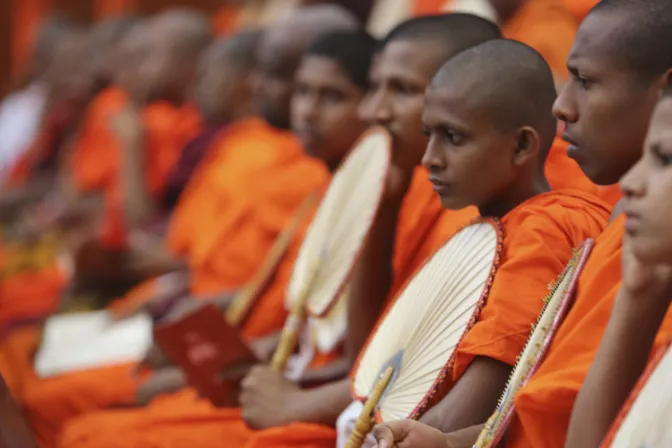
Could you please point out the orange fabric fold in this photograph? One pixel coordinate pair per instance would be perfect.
(539, 240)
(544, 405)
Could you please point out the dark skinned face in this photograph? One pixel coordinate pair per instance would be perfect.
(647, 188)
(605, 109)
(403, 70)
(324, 109)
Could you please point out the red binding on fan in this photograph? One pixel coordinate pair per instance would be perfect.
(565, 305)
(625, 410)
(422, 406)
(381, 192)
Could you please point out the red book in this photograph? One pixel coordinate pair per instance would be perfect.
(204, 345)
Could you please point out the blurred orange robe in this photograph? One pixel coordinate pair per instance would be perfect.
(98, 158)
(544, 405)
(184, 419)
(248, 187)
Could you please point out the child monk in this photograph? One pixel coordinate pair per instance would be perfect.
(606, 106)
(330, 82)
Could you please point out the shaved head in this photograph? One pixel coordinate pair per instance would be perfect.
(186, 30)
(176, 39)
(103, 43)
(449, 33)
(281, 50)
(641, 41)
(509, 81)
(50, 34)
(241, 48)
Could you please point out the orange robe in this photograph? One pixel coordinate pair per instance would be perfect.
(251, 182)
(98, 157)
(544, 405)
(580, 8)
(546, 26)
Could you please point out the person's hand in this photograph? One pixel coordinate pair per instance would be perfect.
(268, 398)
(645, 281)
(408, 434)
(127, 124)
(162, 381)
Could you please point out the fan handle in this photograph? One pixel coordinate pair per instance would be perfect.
(245, 300)
(365, 421)
(290, 332)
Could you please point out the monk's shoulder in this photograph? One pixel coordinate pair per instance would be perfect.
(565, 211)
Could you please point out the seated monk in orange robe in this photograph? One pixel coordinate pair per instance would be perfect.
(268, 399)
(244, 154)
(143, 139)
(607, 135)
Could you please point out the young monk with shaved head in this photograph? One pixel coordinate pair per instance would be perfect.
(606, 106)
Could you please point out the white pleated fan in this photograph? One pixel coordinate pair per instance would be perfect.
(556, 307)
(420, 331)
(645, 420)
(342, 222)
(328, 331)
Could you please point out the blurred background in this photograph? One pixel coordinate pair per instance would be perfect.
(19, 19)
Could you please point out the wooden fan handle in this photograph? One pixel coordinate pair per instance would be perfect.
(244, 301)
(365, 421)
(288, 339)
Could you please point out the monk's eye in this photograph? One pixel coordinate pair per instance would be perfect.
(452, 137)
(663, 158)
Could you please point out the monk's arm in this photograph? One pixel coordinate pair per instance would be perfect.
(372, 278)
(322, 405)
(473, 399)
(620, 360)
(464, 438)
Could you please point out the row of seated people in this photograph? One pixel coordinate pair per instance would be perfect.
(318, 75)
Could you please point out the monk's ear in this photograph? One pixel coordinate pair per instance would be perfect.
(667, 79)
(527, 146)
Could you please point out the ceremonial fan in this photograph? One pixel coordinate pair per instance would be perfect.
(556, 307)
(336, 236)
(413, 347)
(644, 421)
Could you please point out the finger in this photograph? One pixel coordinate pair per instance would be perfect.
(383, 435)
